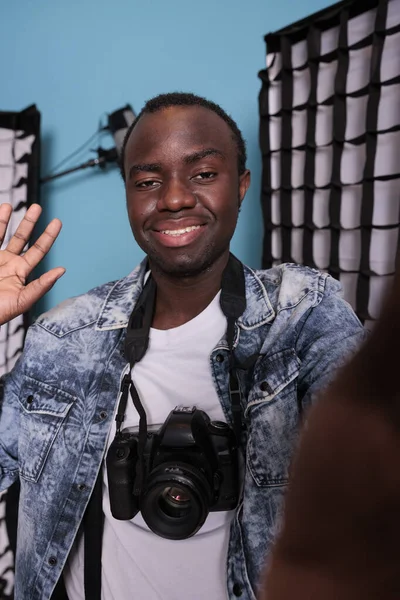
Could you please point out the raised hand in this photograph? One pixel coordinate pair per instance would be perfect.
(340, 538)
(16, 296)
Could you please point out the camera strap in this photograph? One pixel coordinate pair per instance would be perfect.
(136, 344)
(233, 304)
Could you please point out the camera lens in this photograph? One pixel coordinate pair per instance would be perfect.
(176, 500)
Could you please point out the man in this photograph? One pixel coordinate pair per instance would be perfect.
(184, 167)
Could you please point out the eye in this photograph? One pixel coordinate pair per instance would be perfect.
(146, 184)
(205, 175)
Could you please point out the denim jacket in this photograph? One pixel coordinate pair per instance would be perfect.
(59, 401)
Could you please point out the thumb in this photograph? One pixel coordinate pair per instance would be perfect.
(38, 288)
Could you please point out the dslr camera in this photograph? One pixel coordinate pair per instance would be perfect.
(189, 467)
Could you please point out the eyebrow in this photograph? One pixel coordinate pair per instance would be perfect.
(145, 167)
(191, 158)
(188, 159)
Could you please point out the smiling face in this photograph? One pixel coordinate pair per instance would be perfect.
(183, 189)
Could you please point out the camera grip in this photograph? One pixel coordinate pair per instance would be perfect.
(121, 465)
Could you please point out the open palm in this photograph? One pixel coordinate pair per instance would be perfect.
(16, 295)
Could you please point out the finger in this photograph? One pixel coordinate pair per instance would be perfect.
(38, 288)
(40, 248)
(5, 214)
(24, 229)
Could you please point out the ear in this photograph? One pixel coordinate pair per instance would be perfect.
(244, 184)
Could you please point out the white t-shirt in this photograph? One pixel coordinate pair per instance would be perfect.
(136, 563)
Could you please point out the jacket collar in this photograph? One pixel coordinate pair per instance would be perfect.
(123, 296)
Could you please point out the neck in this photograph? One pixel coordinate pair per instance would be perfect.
(180, 299)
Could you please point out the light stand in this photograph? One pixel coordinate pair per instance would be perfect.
(104, 157)
(118, 124)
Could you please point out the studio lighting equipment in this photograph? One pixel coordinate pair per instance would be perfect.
(118, 123)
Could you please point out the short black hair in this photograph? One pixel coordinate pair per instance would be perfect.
(186, 99)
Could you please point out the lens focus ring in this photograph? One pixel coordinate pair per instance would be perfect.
(176, 501)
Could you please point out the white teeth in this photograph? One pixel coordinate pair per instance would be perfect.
(180, 231)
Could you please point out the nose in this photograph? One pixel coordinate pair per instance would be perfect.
(176, 195)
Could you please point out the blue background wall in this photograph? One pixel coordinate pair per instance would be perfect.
(80, 59)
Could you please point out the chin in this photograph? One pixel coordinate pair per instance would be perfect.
(184, 266)
(183, 270)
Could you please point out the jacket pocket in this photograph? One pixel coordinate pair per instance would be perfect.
(272, 417)
(43, 410)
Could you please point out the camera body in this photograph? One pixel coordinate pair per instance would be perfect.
(189, 468)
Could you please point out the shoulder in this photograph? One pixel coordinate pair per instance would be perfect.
(107, 306)
(77, 312)
(288, 284)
